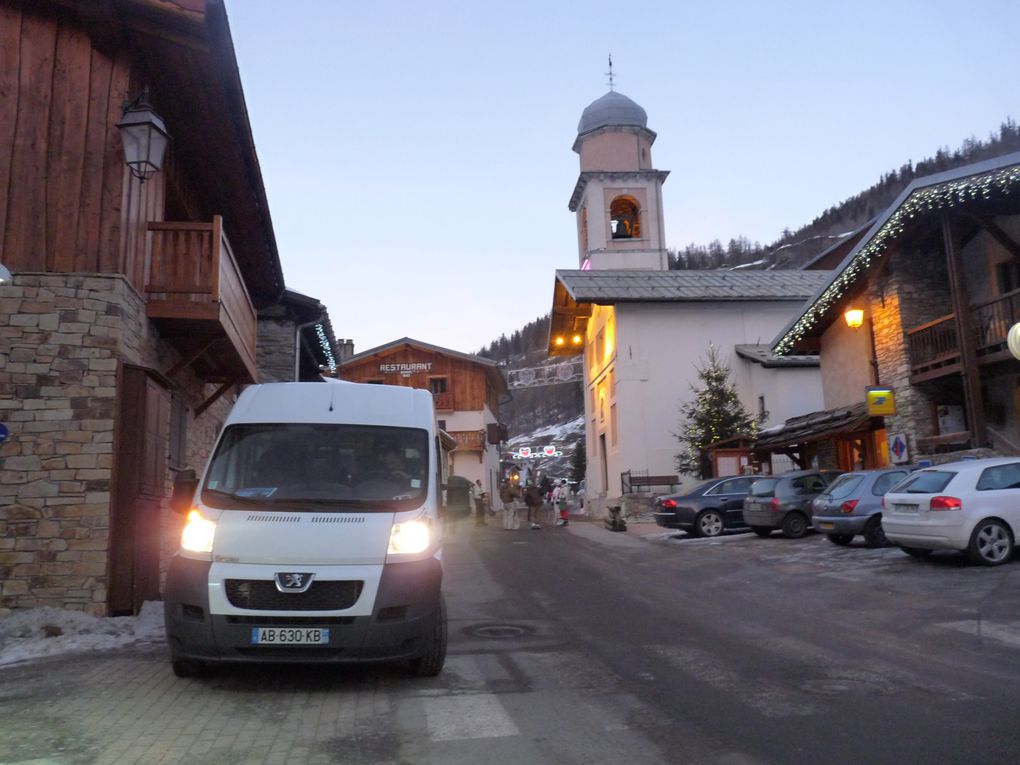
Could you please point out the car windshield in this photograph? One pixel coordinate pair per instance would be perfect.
(924, 482)
(845, 486)
(318, 467)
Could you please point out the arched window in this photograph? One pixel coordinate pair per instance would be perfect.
(623, 218)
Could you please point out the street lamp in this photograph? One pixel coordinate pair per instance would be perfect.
(144, 136)
(854, 317)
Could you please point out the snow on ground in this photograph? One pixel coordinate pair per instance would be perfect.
(34, 633)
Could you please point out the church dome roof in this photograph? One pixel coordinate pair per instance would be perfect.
(612, 109)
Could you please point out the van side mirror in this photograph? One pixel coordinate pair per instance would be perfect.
(184, 491)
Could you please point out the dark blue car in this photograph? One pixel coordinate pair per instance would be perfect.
(709, 509)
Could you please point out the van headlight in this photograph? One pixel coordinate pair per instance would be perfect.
(410, 537)
(198, 533)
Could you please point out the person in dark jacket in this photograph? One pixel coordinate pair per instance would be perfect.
(533, 500)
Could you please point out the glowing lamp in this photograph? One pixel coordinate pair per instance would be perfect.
(854, 317)
(559, 341)
(1013, 341)
(576, 339)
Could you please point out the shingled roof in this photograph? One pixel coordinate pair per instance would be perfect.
(610, 287)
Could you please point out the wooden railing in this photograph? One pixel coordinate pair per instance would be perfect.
(935, 344)
(443, 401)
(193, 276)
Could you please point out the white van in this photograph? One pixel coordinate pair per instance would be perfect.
(314, 533)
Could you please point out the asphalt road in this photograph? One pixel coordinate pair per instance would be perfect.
(580, 645)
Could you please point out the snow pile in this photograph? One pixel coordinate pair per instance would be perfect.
(37, 632)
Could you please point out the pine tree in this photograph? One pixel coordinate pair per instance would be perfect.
(579, 462)
(714, 414)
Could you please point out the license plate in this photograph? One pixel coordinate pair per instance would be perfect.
(897, 508)
(826, 526)
(290, 635)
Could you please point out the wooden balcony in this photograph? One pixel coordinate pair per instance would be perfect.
(443, 401)
(198, 300)
(935, 348)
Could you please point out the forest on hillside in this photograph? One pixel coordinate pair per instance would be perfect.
(532, 408)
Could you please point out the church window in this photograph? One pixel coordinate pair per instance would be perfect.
(623, 218)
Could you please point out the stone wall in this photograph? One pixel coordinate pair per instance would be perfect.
(275, 359)
(62, 340)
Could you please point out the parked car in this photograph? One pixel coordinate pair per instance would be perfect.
(707, 510)
(972, 506)
(852, 505)
(784, 502)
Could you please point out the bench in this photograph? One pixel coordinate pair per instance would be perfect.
(647, 481)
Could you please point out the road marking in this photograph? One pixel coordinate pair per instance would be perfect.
(456, 718)
(1007, 633)
(770, 701)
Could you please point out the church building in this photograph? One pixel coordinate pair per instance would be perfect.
(645, 330)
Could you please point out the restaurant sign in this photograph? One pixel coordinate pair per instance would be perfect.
(406, 369)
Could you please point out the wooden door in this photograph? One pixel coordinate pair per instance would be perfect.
(143, 437)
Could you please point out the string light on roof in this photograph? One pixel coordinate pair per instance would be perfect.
(940, 197)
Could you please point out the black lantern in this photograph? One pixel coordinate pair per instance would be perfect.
(144, 136)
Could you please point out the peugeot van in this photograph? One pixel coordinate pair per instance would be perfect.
(314, 533)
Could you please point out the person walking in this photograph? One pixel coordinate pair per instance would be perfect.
(508, 494)
(533, 501)
(478, 500)
(560, 494)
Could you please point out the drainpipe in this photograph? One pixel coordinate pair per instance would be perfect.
(297, 341)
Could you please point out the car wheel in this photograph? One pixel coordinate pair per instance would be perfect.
(186, 667)
(708, 524)
(430, 663)
(916, 552)
(991, 544)
(840, 539)
(762, 531)
(874, 535)
(795, 526)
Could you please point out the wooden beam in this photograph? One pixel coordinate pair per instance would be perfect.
(965, 337)
(215, 396)
(189, 360)
(1000, 236)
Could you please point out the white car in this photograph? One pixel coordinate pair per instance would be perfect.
(972, 506)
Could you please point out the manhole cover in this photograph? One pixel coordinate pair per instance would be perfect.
(498, 631)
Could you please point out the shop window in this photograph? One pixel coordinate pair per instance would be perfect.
(623, 218)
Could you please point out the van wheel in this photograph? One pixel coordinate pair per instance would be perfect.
(794, 526)
(430, 663)
(186, 667)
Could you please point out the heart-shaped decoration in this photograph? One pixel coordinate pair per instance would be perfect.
(525, 451)
(549, 451)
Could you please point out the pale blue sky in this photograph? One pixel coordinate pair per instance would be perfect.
(417, 156)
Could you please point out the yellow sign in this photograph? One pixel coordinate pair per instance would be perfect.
(881, 401)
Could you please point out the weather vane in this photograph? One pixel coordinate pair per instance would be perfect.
(610, 72)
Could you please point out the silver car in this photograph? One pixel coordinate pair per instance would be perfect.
(852, 505)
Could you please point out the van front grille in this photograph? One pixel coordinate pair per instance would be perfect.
(322, 595)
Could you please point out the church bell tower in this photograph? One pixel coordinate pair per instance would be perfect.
(618, 196)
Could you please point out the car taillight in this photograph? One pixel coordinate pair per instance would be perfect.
(775, 503)
(848, 506)
(669, 504)
(945, 503)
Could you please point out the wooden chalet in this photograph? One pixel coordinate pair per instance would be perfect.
(935, 286)
(467, 390)
(131, 318)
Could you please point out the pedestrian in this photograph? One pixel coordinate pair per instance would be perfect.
(478, 500)
(533, 501)
(560, 494)
(508, 494)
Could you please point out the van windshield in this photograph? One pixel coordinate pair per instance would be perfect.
(318, 467)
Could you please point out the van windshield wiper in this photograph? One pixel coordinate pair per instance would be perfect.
(247, 500)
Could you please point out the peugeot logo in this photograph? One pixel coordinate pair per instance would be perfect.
(291, 581)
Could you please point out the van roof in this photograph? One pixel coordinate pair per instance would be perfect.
(353, 404)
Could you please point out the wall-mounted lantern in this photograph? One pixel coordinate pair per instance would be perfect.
(5, 275)
(144, 136)
(854, 317)
(1013, 340)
